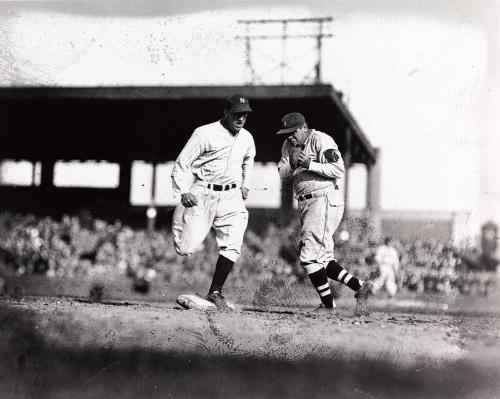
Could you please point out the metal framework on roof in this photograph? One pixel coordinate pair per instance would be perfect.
(286, 31)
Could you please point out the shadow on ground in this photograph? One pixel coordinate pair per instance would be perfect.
(29, 367)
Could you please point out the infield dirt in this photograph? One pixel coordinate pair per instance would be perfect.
(70, 347)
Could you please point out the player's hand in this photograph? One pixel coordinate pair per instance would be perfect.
(188, 200)
(293, 141)
(303, 161)
(244, 193)
(294, 151)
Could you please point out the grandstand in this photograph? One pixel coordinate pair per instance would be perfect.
(121, 125)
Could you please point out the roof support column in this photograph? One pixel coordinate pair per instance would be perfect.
(124, 183)
(151, 212)
(373, 214)
(47, 175)
(347, 163)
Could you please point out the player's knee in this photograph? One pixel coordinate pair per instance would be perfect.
(182, 250)
(334, 267)
(311, 267)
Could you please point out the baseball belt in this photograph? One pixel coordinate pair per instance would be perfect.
(221, 187)
(313, 195)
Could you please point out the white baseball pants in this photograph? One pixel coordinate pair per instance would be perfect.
(319, 217)
(224, 211)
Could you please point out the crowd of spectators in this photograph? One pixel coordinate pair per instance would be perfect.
(427, 266)
(81, 246)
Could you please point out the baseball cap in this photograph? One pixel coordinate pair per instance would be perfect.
(291, 122)
(238, 103)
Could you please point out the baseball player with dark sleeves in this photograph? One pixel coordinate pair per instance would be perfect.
(312, 159)
(220, 157)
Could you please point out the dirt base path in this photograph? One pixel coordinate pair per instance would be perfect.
(90, 349)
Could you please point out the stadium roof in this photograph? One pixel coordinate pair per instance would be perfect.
(153, 123)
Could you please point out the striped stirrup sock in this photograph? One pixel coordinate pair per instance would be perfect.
(338, 273)
(320, 281)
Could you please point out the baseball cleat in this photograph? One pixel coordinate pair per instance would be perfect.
(362, 296)
(323, 310)
(218, 300)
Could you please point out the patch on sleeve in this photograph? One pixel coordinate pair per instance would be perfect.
(331, 156)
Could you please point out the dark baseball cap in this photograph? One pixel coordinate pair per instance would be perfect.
(291, 122)
(238, 103)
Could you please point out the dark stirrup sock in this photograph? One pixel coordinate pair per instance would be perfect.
(222, 270)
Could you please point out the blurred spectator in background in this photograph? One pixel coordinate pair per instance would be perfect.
(387, 260)
(86, 247)
(489, 247)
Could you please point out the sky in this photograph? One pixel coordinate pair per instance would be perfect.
(420, 77)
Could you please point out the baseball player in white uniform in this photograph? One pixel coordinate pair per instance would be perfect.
(387, 259)
(313, 160)
(212, 174)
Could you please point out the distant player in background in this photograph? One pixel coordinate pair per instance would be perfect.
(312, 159)
(220, 157)
(387, 260)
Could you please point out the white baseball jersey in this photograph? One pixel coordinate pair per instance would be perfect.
(388, 262)
(387, 255)
(214, 155)
(321, 174)
(320, 215)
